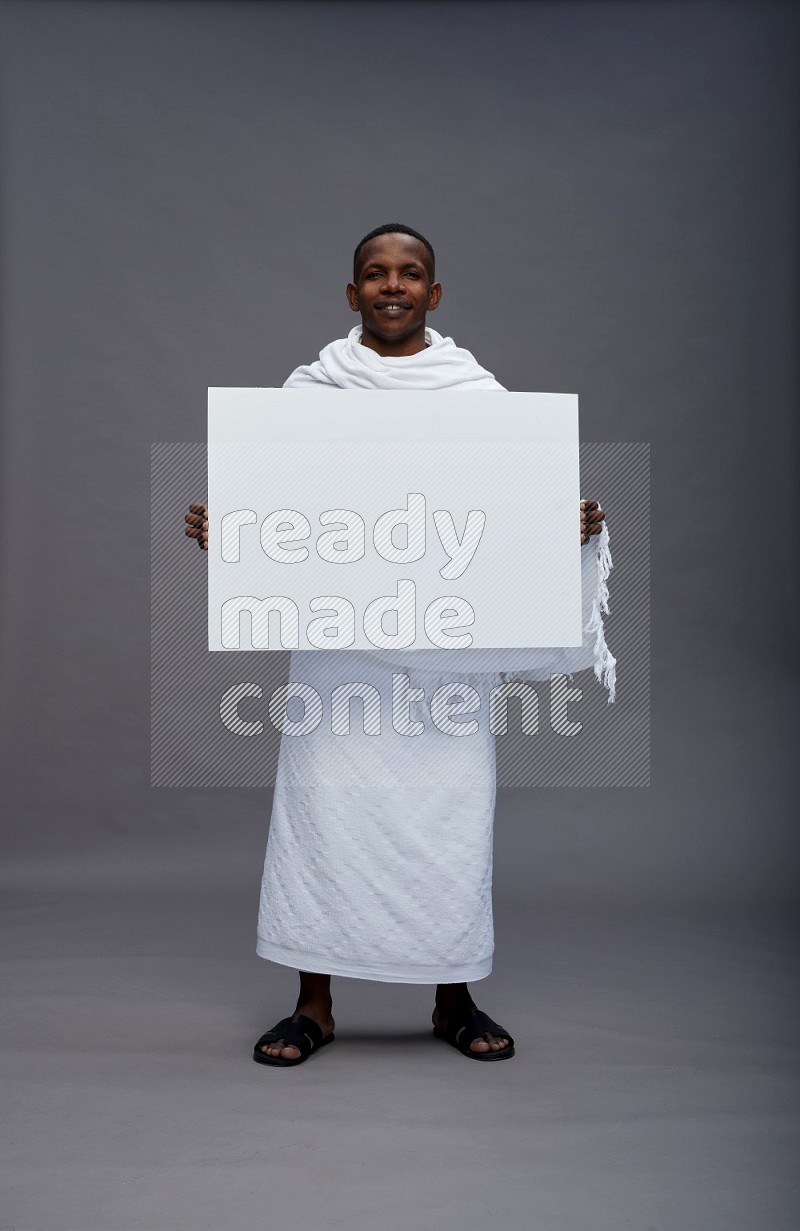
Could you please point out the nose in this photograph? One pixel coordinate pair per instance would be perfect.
(392, 283)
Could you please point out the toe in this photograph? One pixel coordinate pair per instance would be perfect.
(479, 1045)
(277, 1049)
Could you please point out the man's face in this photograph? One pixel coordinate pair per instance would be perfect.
(393, 291)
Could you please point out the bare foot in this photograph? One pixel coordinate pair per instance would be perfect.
(321, 1014)
(444, 1013)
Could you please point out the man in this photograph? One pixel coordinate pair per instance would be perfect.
(379, 856)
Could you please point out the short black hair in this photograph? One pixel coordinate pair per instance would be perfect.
(392, 228)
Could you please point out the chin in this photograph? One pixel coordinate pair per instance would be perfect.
(388, 332)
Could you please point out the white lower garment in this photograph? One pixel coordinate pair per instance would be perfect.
(379, 858)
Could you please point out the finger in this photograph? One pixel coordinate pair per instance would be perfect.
(192, 533)
(595, 529)
(199, 508)
(192, 518)
(589, 505)
(598, 516)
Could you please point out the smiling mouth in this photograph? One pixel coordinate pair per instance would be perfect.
(393, 309)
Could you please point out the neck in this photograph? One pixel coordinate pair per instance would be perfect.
(410, 345)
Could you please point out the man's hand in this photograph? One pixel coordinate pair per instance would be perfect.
(197, 517)
(592, 518)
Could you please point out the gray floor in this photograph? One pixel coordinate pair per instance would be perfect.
(654, 1085)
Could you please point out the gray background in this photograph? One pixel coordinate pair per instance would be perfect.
(612, 192)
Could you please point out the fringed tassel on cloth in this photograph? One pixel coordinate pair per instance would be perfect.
(554, 661)
(605, 664)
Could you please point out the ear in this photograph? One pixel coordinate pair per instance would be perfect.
(352, 296)
(434, 296)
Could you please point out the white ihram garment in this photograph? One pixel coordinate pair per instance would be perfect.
(379, 858)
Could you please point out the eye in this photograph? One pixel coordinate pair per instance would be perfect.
(411, 273)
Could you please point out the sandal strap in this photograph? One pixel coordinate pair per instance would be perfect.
(475, 1027)
(308, 1026)
(304, 1034)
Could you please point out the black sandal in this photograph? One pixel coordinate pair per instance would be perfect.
(303, 1033)
(461, 1031)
